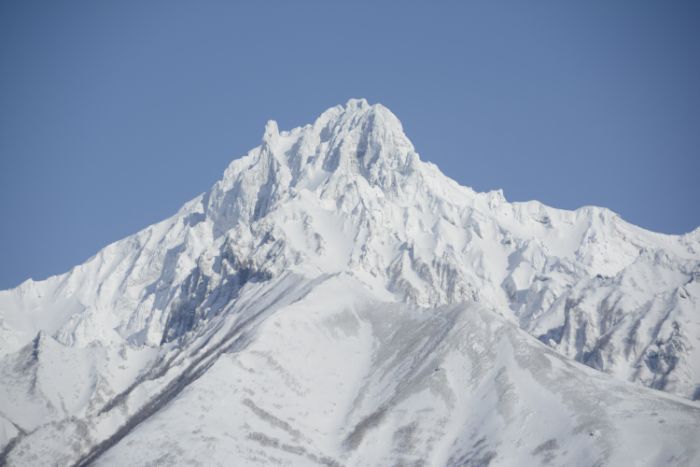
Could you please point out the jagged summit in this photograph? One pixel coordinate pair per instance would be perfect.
(355, 139)
(348, 151)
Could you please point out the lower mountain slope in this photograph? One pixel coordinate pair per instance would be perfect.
(324, 372)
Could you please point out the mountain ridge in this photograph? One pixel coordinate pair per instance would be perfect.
(346, 196)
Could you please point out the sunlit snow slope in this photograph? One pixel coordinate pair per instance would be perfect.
(334, 300)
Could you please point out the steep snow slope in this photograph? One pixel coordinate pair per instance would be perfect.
(347, 195)
(383, 384)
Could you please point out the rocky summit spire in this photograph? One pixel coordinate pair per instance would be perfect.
(368, 138)
(350, 144)
(357, 138)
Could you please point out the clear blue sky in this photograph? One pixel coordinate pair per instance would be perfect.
(112, 114)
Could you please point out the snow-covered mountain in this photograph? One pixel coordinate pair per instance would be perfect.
(335, 300)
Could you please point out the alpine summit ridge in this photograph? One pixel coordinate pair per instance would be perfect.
(335, 300)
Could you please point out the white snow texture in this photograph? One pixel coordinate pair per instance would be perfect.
(333, 300)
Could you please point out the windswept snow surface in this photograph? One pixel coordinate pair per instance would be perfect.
(334, 300)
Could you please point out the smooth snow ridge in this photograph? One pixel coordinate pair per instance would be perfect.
(333, 285)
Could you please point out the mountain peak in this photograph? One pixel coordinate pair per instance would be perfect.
(358, 114)
(375, 118)
(335, 236)
(359, 144)
(355, 140)
(366, 139)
